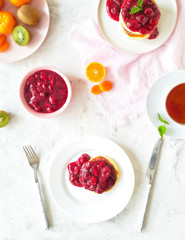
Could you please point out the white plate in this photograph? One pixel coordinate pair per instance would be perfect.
(115, 36)
(84, 205)
(38, 33)
(156, 100)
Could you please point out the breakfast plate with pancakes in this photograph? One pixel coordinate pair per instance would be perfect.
(118, 35)
(84, 205)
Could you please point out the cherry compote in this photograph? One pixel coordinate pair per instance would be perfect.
(97, 175)
(113, 8)
(45, 91)
(74, 169)
(145, 20)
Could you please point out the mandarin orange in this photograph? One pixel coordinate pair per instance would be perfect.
(7, 22)
(4, 47)
(19, 3)
(95, 72)
(1, 4)
(2, 39)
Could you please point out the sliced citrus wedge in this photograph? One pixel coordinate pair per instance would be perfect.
(95, 72)
(96, 90)
(105, 86)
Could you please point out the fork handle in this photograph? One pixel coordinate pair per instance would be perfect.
(43, 206)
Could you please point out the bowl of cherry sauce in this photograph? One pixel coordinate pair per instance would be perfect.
(45, 92)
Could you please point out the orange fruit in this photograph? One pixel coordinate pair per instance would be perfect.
(105, 86)
(2, 39)
(7, 22)
(1, 3)
(3, 43)
(96, 90)
(4, 47)
(95, 72)
(19, 3)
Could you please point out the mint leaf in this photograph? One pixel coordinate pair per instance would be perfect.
(162, 120)
(134, 10)
(139, 3)
(137, 8)
(162, 130)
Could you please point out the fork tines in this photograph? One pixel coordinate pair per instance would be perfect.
(30, 153)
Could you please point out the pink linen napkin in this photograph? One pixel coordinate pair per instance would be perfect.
(131, 75)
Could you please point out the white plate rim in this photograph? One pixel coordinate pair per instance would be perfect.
(132, 176)
(174, 130)
(125, 51)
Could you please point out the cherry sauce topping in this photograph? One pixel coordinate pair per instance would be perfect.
(45, 91)
(97, 175)
(144, 21)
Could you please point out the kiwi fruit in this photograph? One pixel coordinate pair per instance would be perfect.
(28, 15)
(21, 35)
(4, 119)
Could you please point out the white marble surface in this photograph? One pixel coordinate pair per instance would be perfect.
(20, 212)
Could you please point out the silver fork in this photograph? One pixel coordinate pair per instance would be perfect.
(34, 163)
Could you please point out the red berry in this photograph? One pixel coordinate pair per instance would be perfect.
(51, 78)
(49, 109)
(50, 87)
(43, 76)
(38, 109)
(34, 99)
(141, 19)
(53, 99)
(149, 12)
(94, 171)
(36, 76)
(105, 172)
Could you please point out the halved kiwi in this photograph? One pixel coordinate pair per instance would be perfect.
(21, 35)
(4, 119)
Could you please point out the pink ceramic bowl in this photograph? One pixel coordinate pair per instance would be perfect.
(40, 114)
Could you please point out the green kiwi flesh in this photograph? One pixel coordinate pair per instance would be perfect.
(21, 35)
(4, 119)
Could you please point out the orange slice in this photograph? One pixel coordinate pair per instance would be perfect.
(95, 90)
(105, 86)
(95, 72)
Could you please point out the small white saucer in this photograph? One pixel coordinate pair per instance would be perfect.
(156, 101)
(112, 31)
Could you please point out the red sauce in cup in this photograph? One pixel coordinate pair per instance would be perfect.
(45, 91)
